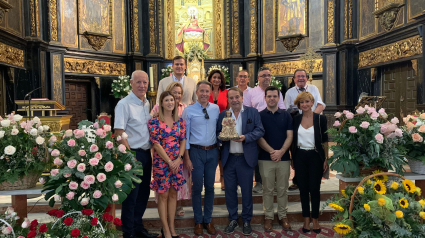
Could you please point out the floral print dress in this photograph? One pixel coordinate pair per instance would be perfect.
(169, 139)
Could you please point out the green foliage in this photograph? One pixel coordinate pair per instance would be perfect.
(166, 71)
(195, 49)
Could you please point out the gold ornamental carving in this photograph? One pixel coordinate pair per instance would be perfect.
(228, 27)
(388, 15)
(401, 49)
(288, 67)
(32, 11)
(170, 29)
(4, 7)
(11, 55)
(253, 27)
(218, 9)
(152, 27)
(54, 126)
(96, 40)
(235, 27)
(135, 24)
(84, 66)
(57, 79)
(37, 14)
(54, 19)
(291, 42)
(350, 18)
(160, 24)
(330, 21)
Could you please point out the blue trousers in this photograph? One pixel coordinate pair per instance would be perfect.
(237, 171)
(204, 166)
(134, 206)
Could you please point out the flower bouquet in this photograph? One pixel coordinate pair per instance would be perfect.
(121, 87)
(414, 133)
(23, 152)
(366, 141)
(379, 207)
(7, 222)
(92, 170)
(195, 50)
(166, 72)
(223, 69)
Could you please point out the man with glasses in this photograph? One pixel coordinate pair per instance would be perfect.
(201, 155)
(300, 79)
(239, 157)
(256, 98)
(243, 79)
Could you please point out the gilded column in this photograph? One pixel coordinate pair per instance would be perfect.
(218, 23)
(170, 29)
(160, 19)
(253, 27)
(135, 25)
(331, 27)
(53, 20)
(348, 19)
(152, 28)
(235, 27)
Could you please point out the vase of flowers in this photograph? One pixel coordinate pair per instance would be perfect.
(121, 87)
(91, 169)
(380, 207)
(414, 133)
(223, 69)
(8, 222)
(23, 152)
(366, 140)
(166, 72)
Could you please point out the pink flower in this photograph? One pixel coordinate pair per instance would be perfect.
(26, 223)
(84, 201)
(381, 111)
(54, 172)
(345, 112)
(395, 120)
(118, 184)
(337, 123)
(374, 116)
(391, 135)
(352, 129)
(398, 132)
(23, 124)
(365, 125)
(57, 161)
(82, 152)
(115, 197)
(68, 133)
(379, 138)
(107, 128)
(7, 230)
(384, 115)
(366, 107)
(109, 145)
(349, 115)
(384, 129)
(90, 179)
(124, 136)
(122, 148)
(101, 177)
(66, 175)
(119, 138)
(360, 110)
(72, 163)
(422, 129)
(81, 167)
(70, 195)
(55, 153)
(79, 133)
(71, 143)
(94, 148)
(417, 138)
(127, 167)
(93, 162)
(99, 132)
(97, 194)
(109, 166)
(84, 185)
(41, 180)
(98, 155)
(338, 115)
(371, 110)
(73, 185)
(96, 125)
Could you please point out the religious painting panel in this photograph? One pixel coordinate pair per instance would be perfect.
(13, 19)
(57, 87)
(292, 17)
(69, 25)
(269, 39)
(316, 24)
(367, 19)
(118, 18)
(415, 8)
(94, 16)
(330, 79)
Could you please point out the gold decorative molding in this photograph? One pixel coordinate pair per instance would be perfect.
(11, 55)
(235, 27)
(97, 79)
(350, 18)
(227, 27)
(57, 79)
(394, 51)
(84, 66)
(388, 15)
(288, 67)
(331, 21)
(373, 73)
(135, 24)
(54, 20)
(33, 17)
(37, 14)
(170, 29)
(269, 17)
(96, 40)
(160, 24)
(415, 66)
(291, 42)
(218, 23)
(345, 20)
(253, 27)
(152, 28)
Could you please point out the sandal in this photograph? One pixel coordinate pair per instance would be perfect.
(179, 211)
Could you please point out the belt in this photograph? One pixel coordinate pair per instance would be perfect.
(237, 154)
(210, 147)
(306, 148)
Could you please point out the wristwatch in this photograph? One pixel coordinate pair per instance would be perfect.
(181, 157)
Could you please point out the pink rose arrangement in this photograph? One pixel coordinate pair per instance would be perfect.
(414, 134)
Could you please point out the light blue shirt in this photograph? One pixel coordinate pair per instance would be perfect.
(201, 131)
(179, 81)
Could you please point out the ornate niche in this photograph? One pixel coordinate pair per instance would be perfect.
(292, 24)
(388, 14)
(4, 7)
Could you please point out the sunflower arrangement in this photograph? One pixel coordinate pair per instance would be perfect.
(382, 207)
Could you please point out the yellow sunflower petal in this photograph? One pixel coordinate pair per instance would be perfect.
(379, 187)
(366, 207)
(422, 202)
(394, 185)
(422, 215)
(403, 203)
(343, 193)
(342, 229)
(399, 214)
(360, 190)
(409, 186)
(336, 207)
(381, 202)
(383, 178)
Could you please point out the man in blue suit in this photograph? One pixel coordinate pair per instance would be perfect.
(239, 158)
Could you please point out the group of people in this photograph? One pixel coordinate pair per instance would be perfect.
(177, 144)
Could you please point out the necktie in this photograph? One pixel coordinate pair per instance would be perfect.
(302, 89)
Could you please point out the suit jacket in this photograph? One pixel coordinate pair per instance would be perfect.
(253, 130)
(320, 135)
(189, 89)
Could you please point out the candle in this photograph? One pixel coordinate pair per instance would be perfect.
(240, 68)
(151, 77)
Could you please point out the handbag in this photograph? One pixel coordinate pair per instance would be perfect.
(326, 173)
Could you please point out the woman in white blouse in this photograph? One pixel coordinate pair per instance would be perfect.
(308, 157)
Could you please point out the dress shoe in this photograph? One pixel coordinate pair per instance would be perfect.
(285, 224)
(210, 228)
(268, 225)
(231, 227)
(317, 230)
(145, 234)
(305, 230)
(198, 229)
(247, 230)
(293, 187)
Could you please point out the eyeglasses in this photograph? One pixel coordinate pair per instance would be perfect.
(206, 113)
(266, 76)
(243, 76)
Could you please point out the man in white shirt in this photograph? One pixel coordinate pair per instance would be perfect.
(189, 84)
(243, 79)
(132, 116)
(300, 79)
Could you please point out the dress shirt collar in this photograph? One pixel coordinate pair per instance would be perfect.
(197, 103)
(278, 111)
(242, 109)
(298, 88)
(177, 80)
(137, 100)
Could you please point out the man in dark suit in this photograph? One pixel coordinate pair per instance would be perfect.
(239, 158)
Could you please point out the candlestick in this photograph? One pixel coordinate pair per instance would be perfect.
(151, 77)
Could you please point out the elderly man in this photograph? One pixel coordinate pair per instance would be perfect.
(201, 155)
(132, 116)
(239, 157)
(243, 79)
(255, 98)
(189, 85)
(300, 79)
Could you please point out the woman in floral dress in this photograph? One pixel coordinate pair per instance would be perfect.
(168, 138)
